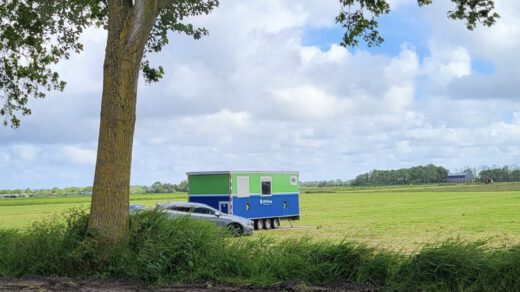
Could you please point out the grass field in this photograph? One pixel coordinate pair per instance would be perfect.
(20, 213)
(395, 218)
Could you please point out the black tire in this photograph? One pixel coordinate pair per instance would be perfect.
(267, 223)
(236, 229)
(259, 224)
(275, 223)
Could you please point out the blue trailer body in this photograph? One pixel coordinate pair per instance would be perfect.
(253, 195)
(216, 201)
(274, 206)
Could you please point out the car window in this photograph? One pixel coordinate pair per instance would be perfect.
(180, 209)
(202, 210)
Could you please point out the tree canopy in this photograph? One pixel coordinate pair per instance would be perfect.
(36, 34)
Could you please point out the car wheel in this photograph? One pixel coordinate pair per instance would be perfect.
(267, 223)
(259, 224)
(236, 229)
(276, 223)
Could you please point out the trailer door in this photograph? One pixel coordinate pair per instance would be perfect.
(223, 206)
(242, 186)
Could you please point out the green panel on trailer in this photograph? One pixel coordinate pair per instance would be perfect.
(209, 184)
(281, 182)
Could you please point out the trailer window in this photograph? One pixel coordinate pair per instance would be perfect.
(266, 185)
(266, 188)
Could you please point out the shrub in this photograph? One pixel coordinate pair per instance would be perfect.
(162, 250)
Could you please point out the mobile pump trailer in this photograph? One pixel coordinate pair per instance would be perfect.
(266, 197)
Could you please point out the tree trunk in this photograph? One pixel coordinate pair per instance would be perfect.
(129, 27)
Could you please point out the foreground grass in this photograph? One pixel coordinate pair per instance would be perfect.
(161, 250)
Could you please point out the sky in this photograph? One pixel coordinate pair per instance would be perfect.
(270, 89)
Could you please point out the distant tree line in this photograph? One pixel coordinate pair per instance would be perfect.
(50, 192)
(501, 174)
(414, 175)
(155, 188)
(159, 187)
(326, 183)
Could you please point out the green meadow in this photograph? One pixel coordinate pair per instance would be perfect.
(407, 220)
(397, 218)
(20, 213)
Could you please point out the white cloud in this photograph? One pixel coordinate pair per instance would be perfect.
(312, 54)
(83, 72)
(78, 155)
(4, 159)
(404, 68)
(219, 127)
(497, 46)
(307, 103)
(25, 152)
(446, 63)
(404, 147)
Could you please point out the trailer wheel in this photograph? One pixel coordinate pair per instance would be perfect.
(236, 229)
(267, 223)
(276, 223)
(259, 224)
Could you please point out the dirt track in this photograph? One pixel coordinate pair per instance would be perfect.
(67, 284)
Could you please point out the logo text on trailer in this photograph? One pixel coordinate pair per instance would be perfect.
(266, 202)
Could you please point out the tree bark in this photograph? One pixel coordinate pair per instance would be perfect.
(129, 28)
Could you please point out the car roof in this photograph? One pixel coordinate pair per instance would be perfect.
(182, 204)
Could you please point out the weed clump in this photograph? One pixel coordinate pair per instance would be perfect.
(461, 266)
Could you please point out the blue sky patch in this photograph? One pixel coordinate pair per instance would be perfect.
(400, 27)
(482, 67)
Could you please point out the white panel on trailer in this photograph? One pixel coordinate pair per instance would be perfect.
(242, 186)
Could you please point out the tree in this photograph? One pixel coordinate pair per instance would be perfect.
(500, 174)
(417, 174)
(35, 34)
(182, 186)
(158, 187)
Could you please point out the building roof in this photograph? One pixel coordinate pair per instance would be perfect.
(461, 175)
(241, 172)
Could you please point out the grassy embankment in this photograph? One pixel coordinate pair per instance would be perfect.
(161, 250)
